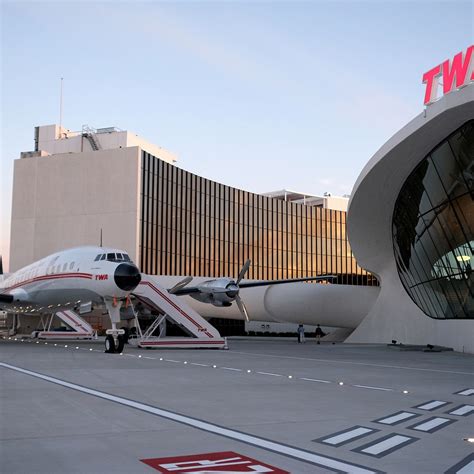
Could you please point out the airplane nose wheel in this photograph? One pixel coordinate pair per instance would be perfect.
(109, 344)
(114, 345)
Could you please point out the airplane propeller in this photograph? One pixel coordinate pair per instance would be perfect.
(242, 308)
(181, 284)
(238, 299)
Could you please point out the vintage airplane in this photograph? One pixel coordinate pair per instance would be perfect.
(67, 279)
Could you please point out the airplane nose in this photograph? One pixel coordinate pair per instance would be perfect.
(127, 276)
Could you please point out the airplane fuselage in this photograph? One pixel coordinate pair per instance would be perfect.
(69, 278)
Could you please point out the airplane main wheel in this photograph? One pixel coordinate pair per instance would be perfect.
(120, 344)
(109, 344)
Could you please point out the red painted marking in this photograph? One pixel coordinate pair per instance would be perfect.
(224, 462)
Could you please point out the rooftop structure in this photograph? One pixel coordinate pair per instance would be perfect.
(327, 201)
(54, 140)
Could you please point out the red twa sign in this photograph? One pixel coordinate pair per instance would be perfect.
(211, 463)
(456, 73)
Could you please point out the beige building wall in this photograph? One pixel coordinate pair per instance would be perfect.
(62, 201)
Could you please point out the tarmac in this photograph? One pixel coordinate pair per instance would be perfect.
(266, 406)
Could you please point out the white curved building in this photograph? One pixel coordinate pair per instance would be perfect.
(411, 223)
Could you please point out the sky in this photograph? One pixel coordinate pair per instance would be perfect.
(259, 95)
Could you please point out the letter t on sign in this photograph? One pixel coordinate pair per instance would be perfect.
(431, 78)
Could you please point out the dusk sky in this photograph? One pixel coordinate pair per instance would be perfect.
(259, 95)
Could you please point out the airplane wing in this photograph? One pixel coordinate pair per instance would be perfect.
(251, 284)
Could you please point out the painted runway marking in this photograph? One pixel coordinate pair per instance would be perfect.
(200, 365)
(282, 449)
(466, 392)
(385, 445)
(432, 424)
(430, 406)
(346, 436)
(269, 373)
(151, 358)
(466, 466)
(315, 380)
(375, 388)
(171, 360)
(396, 418)
(332, 361)
(231, 368)
(462, 410)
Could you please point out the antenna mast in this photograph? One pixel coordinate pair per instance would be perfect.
(100, 237)
(61, 109)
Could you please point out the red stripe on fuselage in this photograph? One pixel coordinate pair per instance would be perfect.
(58, 276)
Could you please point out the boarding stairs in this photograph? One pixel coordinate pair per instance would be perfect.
(78, 327)
(5, 329)
(202, 334)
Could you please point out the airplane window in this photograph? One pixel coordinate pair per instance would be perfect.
(119, 256)
(97, 258)
(71, 266)
(102, 257)
(111, 257)
(126, 257)
(64, 267)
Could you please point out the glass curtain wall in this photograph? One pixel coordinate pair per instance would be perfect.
(433, 229)
(194, 226)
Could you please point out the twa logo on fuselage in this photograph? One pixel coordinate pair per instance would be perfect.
(211, 463)
(102, 277)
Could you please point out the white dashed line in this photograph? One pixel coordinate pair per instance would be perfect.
(231, 368)
(200, 365)
(171, 360)
(150, 358)
(269, 373)
(374, 388)
(315, 380)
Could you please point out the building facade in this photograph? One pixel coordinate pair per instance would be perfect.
(418, 235)
(171, 221)
(191, 225)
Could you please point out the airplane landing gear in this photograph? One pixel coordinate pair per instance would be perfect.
(115, 339)
(114, 345)
(109, 344)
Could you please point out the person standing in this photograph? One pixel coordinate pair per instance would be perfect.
(319, 334)
(300, 331)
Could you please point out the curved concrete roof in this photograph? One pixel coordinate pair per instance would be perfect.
(373, 198)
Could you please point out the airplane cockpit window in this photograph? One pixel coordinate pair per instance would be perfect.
(118, 257)
(97, 258)
(71, 266)
(102, 257)
(64, 267)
